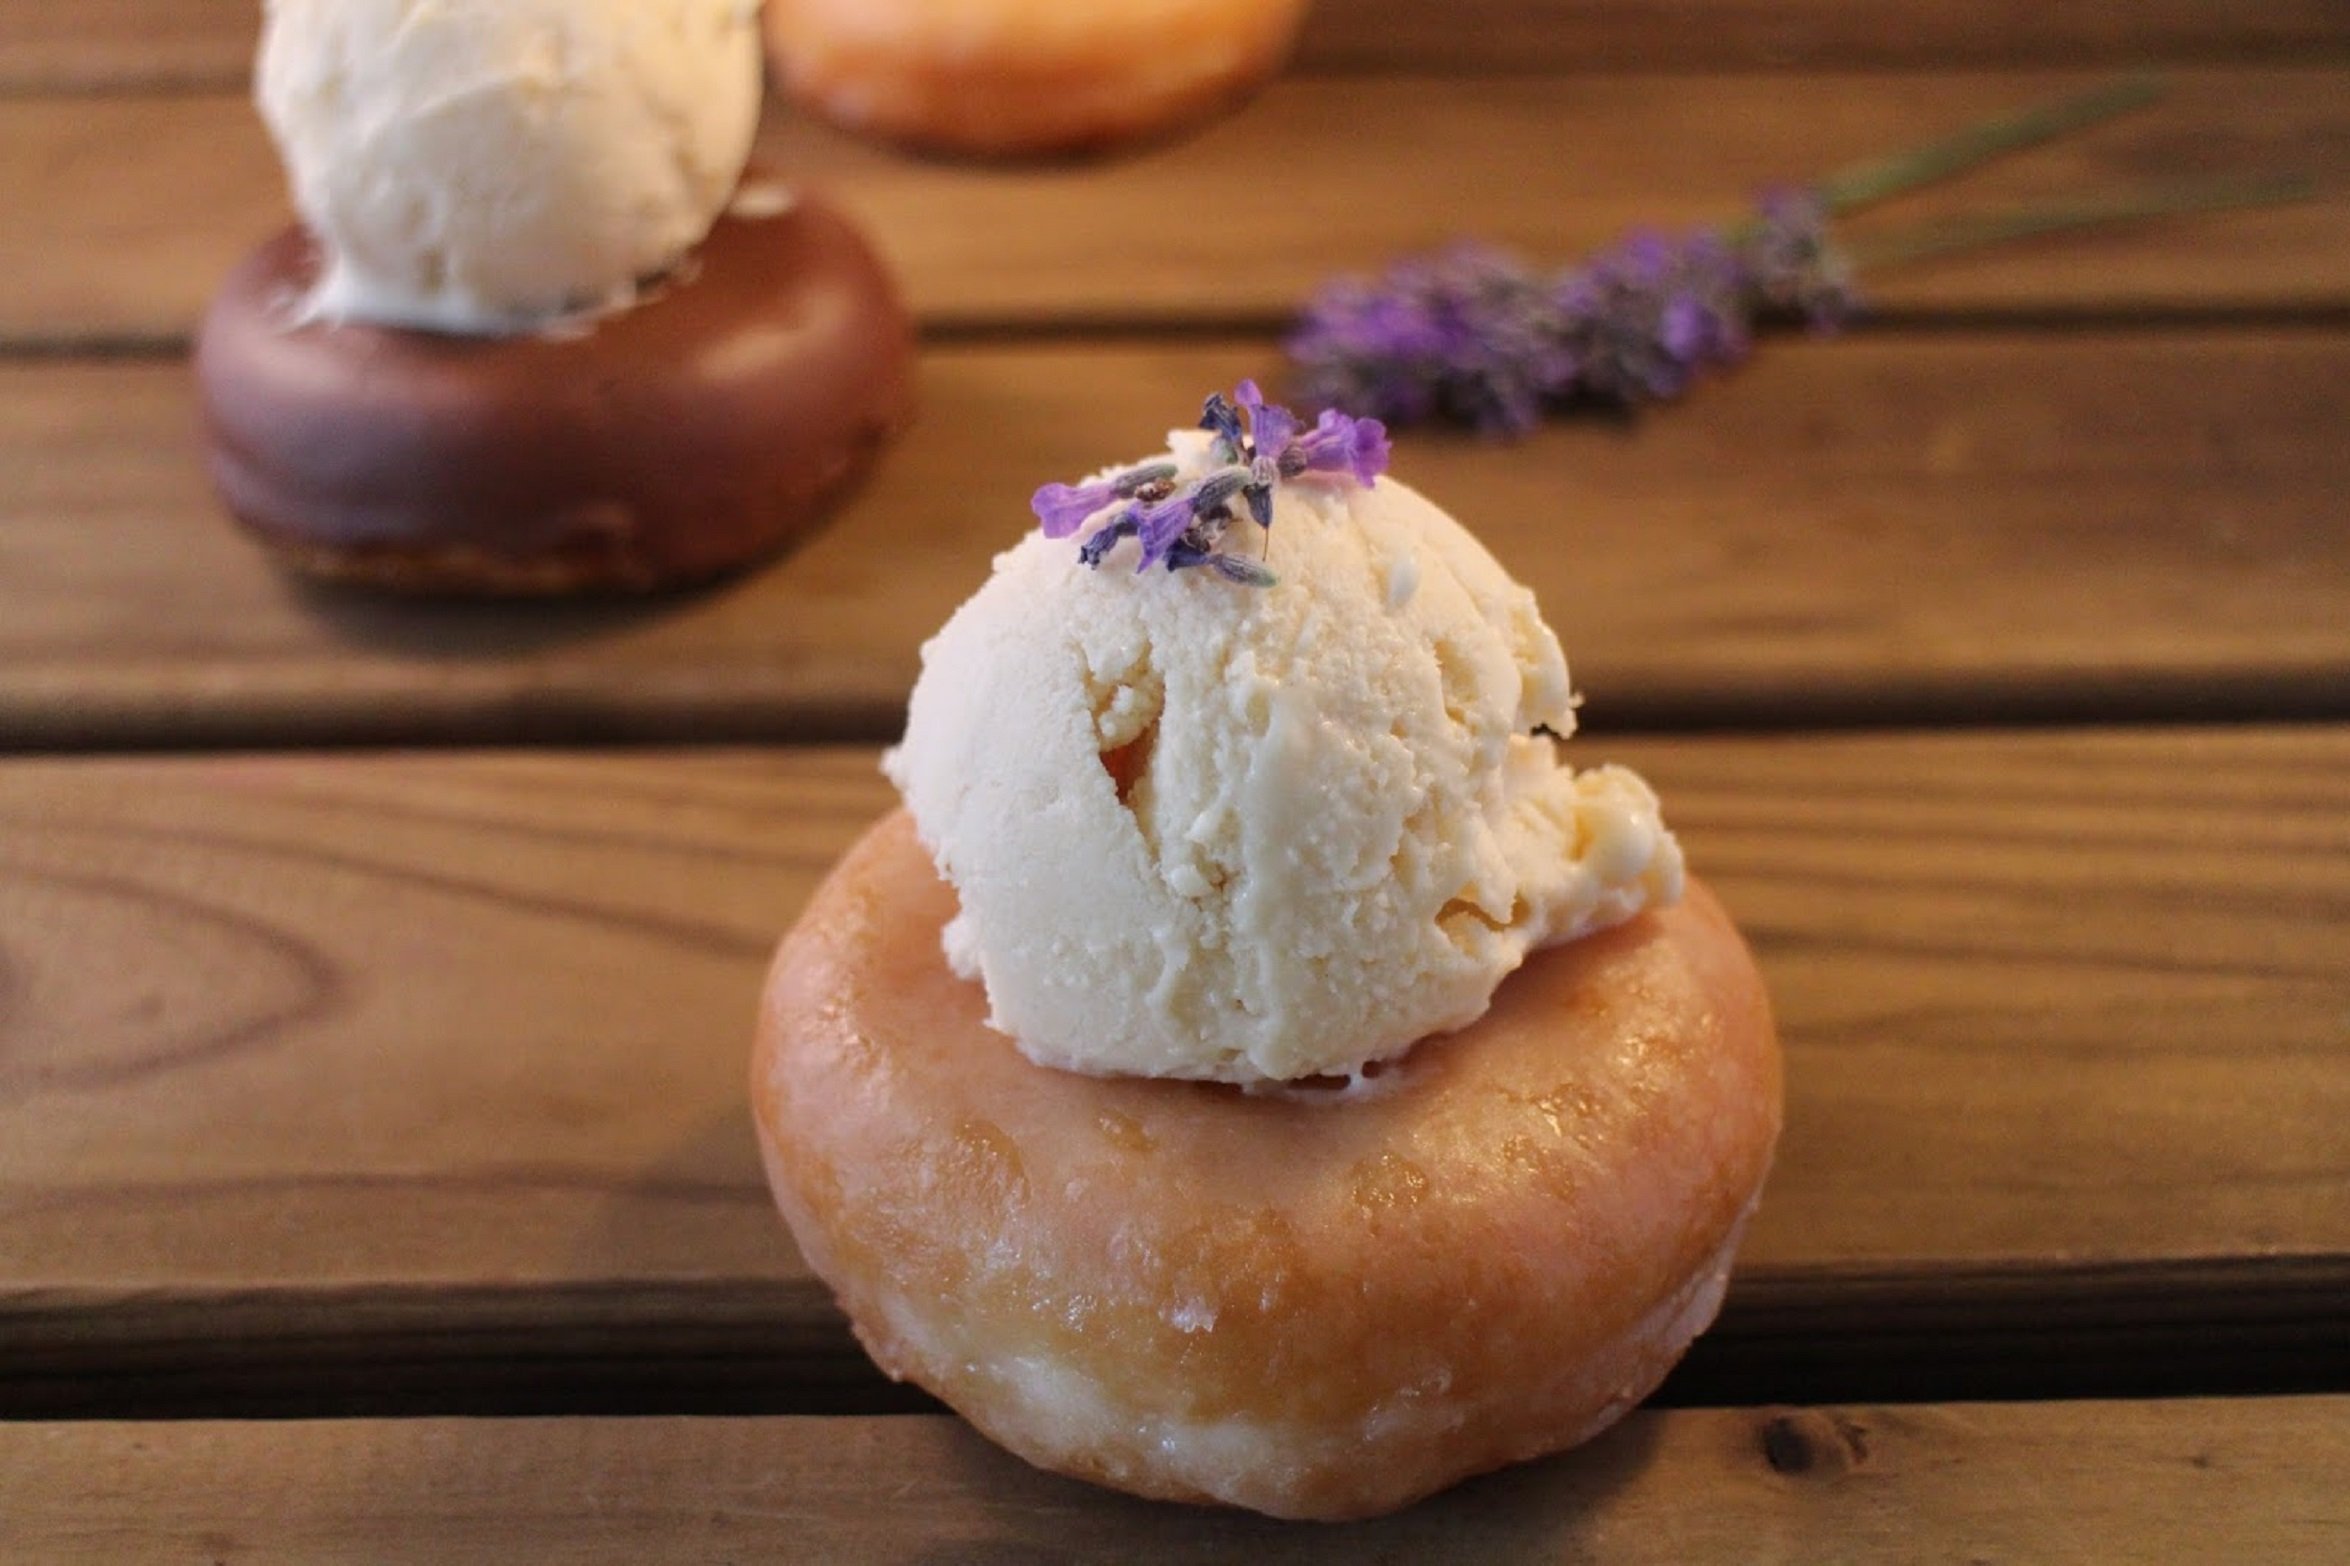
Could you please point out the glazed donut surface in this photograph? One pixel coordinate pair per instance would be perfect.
(1308, 1306)
(1015, 77)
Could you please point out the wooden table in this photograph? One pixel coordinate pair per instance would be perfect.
(375, 978)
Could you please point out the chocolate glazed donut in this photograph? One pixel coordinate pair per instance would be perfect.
(709, 425)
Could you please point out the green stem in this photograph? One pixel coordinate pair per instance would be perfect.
(1862, 183)
(2122, 206)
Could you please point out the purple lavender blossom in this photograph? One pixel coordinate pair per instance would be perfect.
(1475, 335)
(1256, 446)
(1161, 527)
(1337, 444)
(1272, 426)
(1467, 333)
(1064, 508)
(1642, 320)
(1061, 509)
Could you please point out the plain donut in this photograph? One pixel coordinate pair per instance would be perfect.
(1310, 1308)
(1013, 77)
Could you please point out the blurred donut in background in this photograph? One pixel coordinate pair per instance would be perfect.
(1023, 78)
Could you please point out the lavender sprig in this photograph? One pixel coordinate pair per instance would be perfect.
(1475, 335)
(1254, 447)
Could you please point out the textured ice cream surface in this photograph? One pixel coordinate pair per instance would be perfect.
(487, 165)
(1211, 831)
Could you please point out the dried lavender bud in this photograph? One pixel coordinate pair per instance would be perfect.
(1257, 445)
(1102, 542)
(1792, 267)
(1241, 569)
(1221, 419)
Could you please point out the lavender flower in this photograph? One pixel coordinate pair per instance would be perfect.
(1255, 447)
(1475, 335)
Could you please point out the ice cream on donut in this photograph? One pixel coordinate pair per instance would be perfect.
(1254, 1066)
(490, 167)
(536, 329)
(1336, 815)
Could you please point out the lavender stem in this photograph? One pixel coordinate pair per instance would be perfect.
(1860, 184)
(2124, 206)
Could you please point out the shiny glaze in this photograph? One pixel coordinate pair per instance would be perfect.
(708, 425)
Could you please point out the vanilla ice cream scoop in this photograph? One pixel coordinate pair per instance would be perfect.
(485, 166)
(1210, 830)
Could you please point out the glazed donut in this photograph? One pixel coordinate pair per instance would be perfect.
(707, 426)
(1014, 77)
(1313, 1304)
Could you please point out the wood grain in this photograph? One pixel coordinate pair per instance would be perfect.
(2245, 1479)
(118, 216)
(1916, 526)
(352, 1072)
(119, 44)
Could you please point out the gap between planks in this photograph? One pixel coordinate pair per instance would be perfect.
(2255, 1480)
(2234, 1326)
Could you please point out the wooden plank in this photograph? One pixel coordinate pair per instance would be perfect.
(119, 215)
(1562, 35)
(119, 44)
(99, 45)
(341, 1075)
(1915, 526)
(2244, 1479)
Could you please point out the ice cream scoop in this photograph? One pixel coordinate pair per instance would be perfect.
(1204, 827)
(482, 166)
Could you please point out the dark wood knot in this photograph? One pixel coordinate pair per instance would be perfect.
(1805, 1440)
